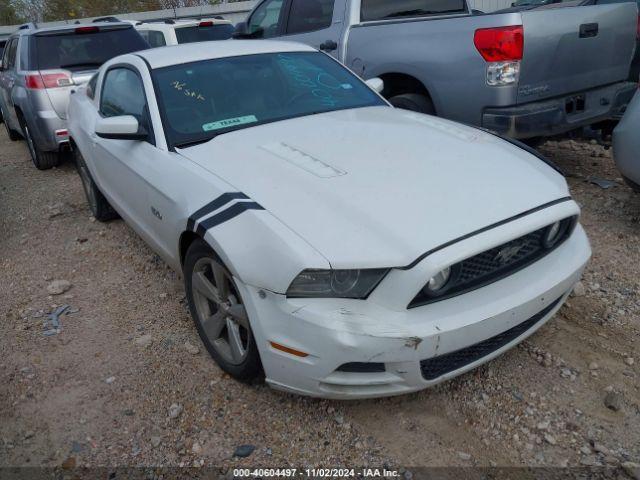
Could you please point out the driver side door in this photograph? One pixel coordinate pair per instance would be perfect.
(121, 165)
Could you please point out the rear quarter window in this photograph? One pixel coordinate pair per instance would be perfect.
(153, 37)
(204, 34)
(372, 10)
(84, 50)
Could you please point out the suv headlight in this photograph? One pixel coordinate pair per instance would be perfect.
(336, 283)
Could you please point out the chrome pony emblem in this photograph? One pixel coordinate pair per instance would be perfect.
(506, 254)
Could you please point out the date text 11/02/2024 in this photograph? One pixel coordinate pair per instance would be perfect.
(316, 473)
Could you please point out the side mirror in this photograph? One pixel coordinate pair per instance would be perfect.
(376, 84)
(125, 127)
(241, 31)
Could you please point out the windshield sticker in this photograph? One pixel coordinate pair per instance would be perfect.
(229, 122)
(182, 87)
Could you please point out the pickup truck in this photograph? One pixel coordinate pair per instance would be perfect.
(522, 74)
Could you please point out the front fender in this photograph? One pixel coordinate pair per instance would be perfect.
(258, 249)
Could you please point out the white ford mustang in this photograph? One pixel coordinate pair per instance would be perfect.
(338, 246)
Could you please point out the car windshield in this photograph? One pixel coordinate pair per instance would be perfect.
(204, 33)
(85, 47)
(203, 99)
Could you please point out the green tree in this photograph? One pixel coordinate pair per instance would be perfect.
(8, 15)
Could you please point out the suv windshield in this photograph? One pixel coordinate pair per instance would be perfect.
(204, 99)
(87, 47)
(204, 34)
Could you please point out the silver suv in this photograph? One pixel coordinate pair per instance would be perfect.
(40, 67)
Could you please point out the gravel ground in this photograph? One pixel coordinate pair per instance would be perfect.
(126, 382)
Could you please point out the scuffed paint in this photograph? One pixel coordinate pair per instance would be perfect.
(413, 342)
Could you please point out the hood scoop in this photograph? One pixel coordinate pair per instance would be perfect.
(303, 160)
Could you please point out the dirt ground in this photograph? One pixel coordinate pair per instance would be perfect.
(126, 381)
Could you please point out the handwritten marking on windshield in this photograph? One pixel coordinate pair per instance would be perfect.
(182, 87)
(318, 86)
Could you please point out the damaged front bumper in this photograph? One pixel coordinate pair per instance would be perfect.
(361, 349)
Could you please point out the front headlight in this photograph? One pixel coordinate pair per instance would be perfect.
(336, 283)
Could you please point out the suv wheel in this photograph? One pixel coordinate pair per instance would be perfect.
(98, 204)
(12, 134)
(42, 160)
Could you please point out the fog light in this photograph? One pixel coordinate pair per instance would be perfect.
(503, 73)
(439, 280)
(553, 234)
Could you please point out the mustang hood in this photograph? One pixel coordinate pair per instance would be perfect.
(377, 186)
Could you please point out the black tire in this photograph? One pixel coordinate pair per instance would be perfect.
(41, 159)
(415, 102)
(98, 204)
(12, 134)
(533, 142)
(248, 369)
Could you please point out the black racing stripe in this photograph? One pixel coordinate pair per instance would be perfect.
(214, 205)
(231, 212)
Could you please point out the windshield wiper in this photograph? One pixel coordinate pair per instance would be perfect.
(193, 143)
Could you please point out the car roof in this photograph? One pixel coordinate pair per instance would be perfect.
(34, 30)
(195, 52)
(181, 22)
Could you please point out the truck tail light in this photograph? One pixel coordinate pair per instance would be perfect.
(502, 49)
(500, 44)
(42, 80)
(503, 73)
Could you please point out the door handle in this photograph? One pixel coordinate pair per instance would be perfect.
(328, 46)
(589, 30)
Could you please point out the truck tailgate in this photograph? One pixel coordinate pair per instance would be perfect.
(572, 49)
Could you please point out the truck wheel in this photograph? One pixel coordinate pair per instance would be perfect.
(219, 313)
(42, 160)
(99, 206)
(414, 102)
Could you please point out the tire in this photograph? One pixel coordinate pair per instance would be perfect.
(223, 327)
(12, 134)
(533, 142)
(98, 204)
(42, 160)
(414, 102)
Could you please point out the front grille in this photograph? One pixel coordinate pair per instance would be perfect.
(435, 367)
(495, 264)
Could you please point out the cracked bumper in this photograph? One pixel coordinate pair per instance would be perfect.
(335, 332)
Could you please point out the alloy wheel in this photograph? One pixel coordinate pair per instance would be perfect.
(220, 311)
